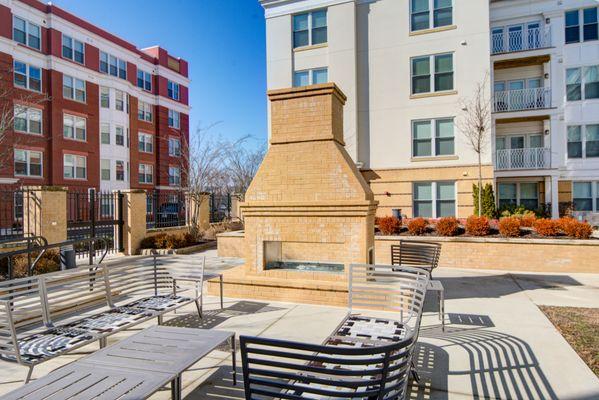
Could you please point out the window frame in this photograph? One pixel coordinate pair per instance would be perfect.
(432, 74)
(27, 32)
(435, 200)
(75, 121)
(122, 135)
(27, 76)
(142, 141)
(431, 16)
(310, 73)
(74, 90)
(146, 80)
(580, 25)
(176, 181)
(73, 49)
(121, 100)
(174, 153)
(102, 169)
(171, 117)
(434, 137)
(145, 167)
(310, 28)
(594, 195)
(146, 113)
(581, 83)
(75, 158)
(173, 90)
(27, 153)
(583, 141)
(518, 193)
(116, 171)
(19, 109)
(112, 63)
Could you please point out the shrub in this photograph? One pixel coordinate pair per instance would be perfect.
(477, 226)
(546, 227)
(509, 227)
(168, 241)
(49, 262)
(575, 229)
(417, 226)
(389, 225)
(528, 219)
(148, 242)
(448, 226)
(488, 200)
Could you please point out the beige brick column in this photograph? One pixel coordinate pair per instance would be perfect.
(45, 212)
(200, 213)
(134, 219)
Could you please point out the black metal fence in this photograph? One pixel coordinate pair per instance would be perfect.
(166, 209)
(220, 207)
(14, 219)
(92, 214)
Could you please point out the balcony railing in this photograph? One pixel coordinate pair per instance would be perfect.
(522, 40)
(522, 99)
(530, 158)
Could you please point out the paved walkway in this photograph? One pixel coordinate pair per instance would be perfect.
(497, 342)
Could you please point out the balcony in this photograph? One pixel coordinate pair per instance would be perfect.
(508, 41)
(522, 99)
(528, 158)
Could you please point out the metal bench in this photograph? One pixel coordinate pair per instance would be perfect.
(373, 346)
(48, 315)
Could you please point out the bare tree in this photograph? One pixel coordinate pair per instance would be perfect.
(242, 164)
(476, 126)
(13, 102)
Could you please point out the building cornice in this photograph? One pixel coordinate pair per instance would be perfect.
(276, 8)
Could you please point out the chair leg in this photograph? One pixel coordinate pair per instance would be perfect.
(176, 388)
(414, 373)
(199, 307)
(160, 319)
(29, 373)
(233, 351)
(103, 342)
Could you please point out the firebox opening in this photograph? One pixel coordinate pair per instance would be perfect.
(277, 259)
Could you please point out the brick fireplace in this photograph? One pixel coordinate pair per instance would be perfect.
(308, 212)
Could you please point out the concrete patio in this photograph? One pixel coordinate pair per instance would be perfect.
(497, 343)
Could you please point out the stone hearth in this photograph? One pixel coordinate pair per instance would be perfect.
(308, 212)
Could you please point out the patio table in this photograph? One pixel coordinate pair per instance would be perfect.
(137, 366)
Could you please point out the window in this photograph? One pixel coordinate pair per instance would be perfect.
(28, 120)
(146, 143)
(146, 174)
(27, 76)
(112, 65)
(173, 90)
(104, 133)
(18, 205)
(26, 33)
(422, 18)
(582, 196)
(119, 136)
(120, 170)
(174, 176)
(119, 100)
(310, 77)
(73, 88)
(524, 194)
(104, 97)
(75, 167)
(73, 49)
(74, 127)
(144, 80)
(28, 163)
(433, 137)
(434, 199)
(144, 111)
(588, 30)
(174, 119)
(582, 83)
(310, 28)
(105, 170)
(583, 141)
(174, 147)
(440, 79)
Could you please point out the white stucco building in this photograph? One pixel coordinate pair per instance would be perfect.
(409, 66)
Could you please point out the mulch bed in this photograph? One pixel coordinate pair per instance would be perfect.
(580, 327)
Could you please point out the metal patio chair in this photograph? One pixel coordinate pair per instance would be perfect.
(418, 254)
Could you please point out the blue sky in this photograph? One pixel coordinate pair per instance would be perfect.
(223, 40)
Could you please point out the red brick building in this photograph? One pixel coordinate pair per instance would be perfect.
(91, 110)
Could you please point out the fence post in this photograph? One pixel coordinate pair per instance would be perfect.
(120, 222)
(134, 219)
(92, 223)
(45, 212)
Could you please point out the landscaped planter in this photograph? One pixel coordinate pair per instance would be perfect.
(532, 255)
(183, 250)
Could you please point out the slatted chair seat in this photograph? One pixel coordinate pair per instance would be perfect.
(414, 253)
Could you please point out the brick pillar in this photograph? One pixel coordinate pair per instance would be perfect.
(45, 213)
(134, 219)
(202, 210)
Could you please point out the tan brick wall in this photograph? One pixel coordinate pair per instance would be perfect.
(522, 255)
(564, 189)
(47, 213)
(134, 217)
(393, 188)
(229, 245)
